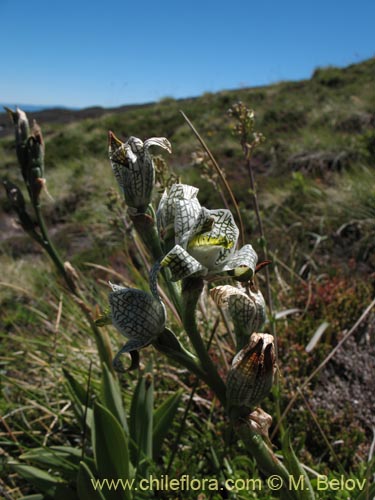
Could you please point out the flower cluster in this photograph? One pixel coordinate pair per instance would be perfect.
(196, 243)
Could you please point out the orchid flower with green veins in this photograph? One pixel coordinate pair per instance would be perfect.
(177, 212)
(205, 243)
(137, 315)
(134, 169)
(247, 310)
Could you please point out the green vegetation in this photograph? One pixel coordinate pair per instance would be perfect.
(315, 181)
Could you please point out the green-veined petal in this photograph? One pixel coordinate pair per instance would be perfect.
(137, 315)
(182, 264)
(241, 264)
(177, 211)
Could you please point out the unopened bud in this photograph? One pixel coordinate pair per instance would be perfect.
(251, 375)
(35, 165)
(17, 201)
(72, 273)
(21, 128)
(247, 310)
(15, 196)
(21, 124)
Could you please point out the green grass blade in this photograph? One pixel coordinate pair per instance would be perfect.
(85, 479)
(110, 447)
(141, 420)
(163, 418)
(42, 481)
(111, 397)
(301, 486)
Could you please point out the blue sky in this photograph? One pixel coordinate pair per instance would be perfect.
(83, 53)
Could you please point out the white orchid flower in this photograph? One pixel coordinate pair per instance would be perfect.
(205, 245)
(138, 315)
(134, 169)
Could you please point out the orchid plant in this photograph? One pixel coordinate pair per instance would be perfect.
(190, 245)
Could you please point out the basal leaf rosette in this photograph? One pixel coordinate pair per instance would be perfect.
(205, 246)
(134, 169)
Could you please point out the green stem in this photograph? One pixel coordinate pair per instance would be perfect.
(101, 338)
(50, 249)
(182, 359)
(191, 290)
(267, 462)
(146, 228)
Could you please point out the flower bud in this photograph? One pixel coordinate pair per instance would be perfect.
(21, 128)
(134, 169)
(251, 375)
(247, 310)
(35, 166)
(21, 124)
(260, 422)
(17, 202)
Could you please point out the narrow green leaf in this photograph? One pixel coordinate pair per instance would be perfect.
(85, 484)
(39, 478)
(163, 418)
(111, 397)
(77, 389)
(57, 460)
(149, 411)
(302, 487)
(141, 420)
(110, 447)
(367, 493)
(78, 394)
(65, 459)
(135, 410)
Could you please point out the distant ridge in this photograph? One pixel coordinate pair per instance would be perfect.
(343, 81)
(34, 108)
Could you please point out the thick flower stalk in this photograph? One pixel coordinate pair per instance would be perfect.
(205, 240)
(30, 154)
(134, 169)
